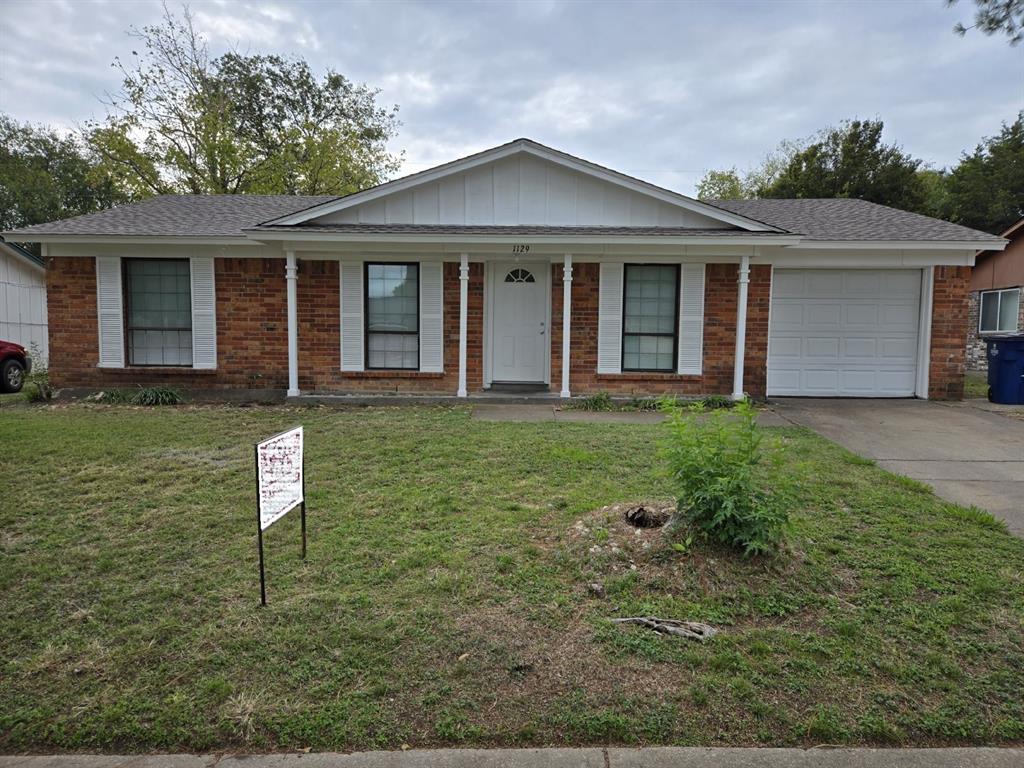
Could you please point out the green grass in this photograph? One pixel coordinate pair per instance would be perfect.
(445, 599)
(976, 384)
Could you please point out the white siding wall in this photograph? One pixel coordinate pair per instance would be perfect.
(23, 304)
(521, 190)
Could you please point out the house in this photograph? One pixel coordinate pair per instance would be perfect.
(995, 300)
(520, 266)
(23, 299)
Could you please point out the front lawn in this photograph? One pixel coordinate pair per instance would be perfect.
(445, 600)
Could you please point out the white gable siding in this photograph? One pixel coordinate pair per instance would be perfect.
(521, 190)
(23, 304)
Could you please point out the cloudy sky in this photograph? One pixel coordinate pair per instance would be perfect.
(660, 90)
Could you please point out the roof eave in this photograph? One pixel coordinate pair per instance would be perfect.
(959, 245)
(384, 237)
(240, 239)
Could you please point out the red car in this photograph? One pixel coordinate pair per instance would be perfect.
(14, 365)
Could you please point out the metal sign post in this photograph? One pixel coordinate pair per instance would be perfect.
(280, 487)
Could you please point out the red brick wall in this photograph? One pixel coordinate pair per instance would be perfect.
(950, 313)
(252, 334)
(719, 337)
(252, 331)
(320, 345)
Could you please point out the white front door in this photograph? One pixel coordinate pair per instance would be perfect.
(520, 346)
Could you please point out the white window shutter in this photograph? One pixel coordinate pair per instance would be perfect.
(691, 319)
(110, 312)
(431, 317)
(609, 319)
(351, 316)
(204, 313)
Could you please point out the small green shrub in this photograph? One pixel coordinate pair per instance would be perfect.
(712, 402)
(110, 397)
(156, 396)
(712, 456)
(602, 401)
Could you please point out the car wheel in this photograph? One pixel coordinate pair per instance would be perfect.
(12, 376)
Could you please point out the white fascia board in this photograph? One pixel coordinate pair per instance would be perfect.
(903, 245)
(790, 258)
(531, 148)
(366, 237)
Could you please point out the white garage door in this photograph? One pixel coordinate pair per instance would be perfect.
(837, 332)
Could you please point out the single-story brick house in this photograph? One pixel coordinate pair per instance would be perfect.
(517, 266)
(995, 301)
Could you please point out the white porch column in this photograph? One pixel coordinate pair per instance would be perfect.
(741, 329)
(463, 310)
(566, 321)
(291, 273)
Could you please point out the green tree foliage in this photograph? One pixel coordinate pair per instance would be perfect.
(732, 185)
(986, 189)
(721, 185)
(45, 176)
(852, 161)
(992, 16)
(187, 122)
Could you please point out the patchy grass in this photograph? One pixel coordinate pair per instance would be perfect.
(976, 385)
(445, 600)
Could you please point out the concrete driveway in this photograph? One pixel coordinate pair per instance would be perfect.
(968, 455)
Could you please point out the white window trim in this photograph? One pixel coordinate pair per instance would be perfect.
(999, 306)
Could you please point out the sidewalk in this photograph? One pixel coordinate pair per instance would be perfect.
(654, 757)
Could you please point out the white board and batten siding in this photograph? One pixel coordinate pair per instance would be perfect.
(110, 312)
(521, 190)
(23, 304)
(836, 332)
(431, 275)
(690, 355)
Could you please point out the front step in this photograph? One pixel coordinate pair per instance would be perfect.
(519, 388)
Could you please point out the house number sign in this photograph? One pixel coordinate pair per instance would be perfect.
(520, 249)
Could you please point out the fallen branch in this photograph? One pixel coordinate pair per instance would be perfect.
(693, 630)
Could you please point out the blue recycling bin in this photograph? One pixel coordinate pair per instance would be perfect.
(1006, 369)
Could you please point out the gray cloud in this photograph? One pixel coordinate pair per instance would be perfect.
(661, 90)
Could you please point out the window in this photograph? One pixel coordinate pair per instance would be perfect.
(158, 311)
(999, 310)
(650, 317)
(519, 276)
(393, 316)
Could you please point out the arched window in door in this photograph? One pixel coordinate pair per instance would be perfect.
(519, 276)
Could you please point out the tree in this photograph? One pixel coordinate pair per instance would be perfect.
(45, 176)
(721, 185)
(992, 16)
(731, 185)
(186, 122)
(852, 161)
(986, 189)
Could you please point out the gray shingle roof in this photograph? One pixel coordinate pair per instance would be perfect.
(234, 215)
(178, 216)
(450, 229)
(850, 219)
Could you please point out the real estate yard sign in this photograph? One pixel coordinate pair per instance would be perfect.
(280, 487)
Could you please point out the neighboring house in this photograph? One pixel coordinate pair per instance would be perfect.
(996, 304)
(520, 266)
(23, 299)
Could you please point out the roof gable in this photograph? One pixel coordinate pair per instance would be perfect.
(521, 184)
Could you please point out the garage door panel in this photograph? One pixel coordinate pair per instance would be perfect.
(816, 348)
(844, 333)
(819, 315)
(824, 283)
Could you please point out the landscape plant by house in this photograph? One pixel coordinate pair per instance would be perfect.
(713, 457)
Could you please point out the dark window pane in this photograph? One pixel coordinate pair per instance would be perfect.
(158, 312)
(650, 317)
(392, 315)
